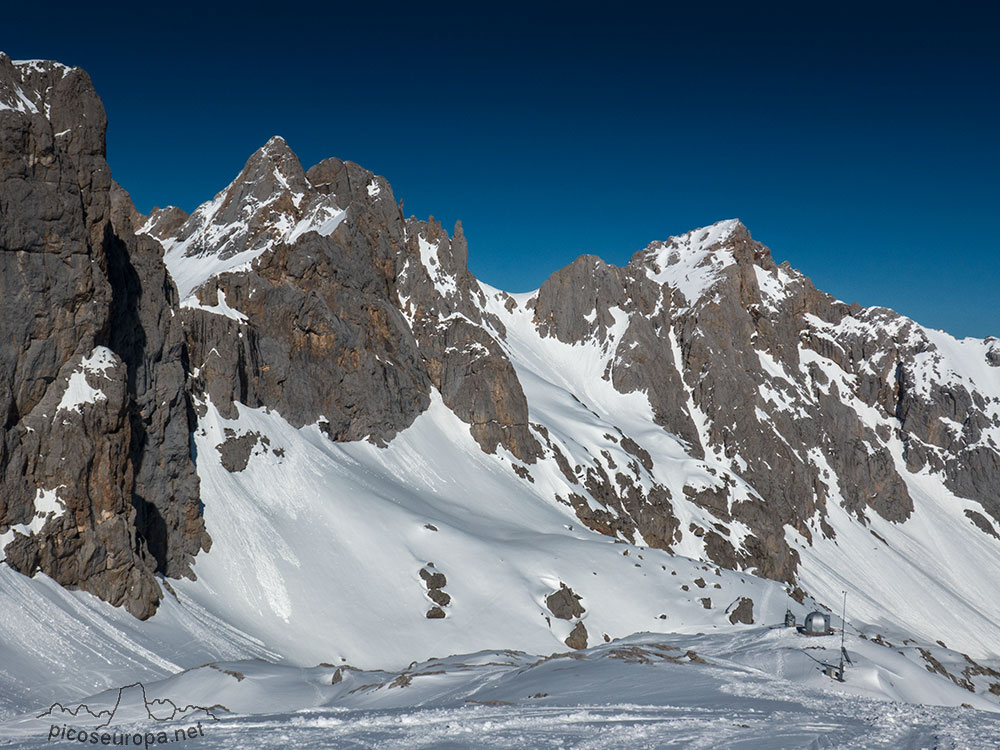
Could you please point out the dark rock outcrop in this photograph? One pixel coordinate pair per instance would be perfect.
(565, 603)
(435, 583)
(235, 450)
(577, 639)
(92, 377)
(742, 612)
(466, 363)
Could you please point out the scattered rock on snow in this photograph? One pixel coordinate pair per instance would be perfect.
(565, 603)
(742, 612)
(577, 638)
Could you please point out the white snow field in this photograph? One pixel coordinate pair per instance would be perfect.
(756, 689)
(318, 549)
(316, 559)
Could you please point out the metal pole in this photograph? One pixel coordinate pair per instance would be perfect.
(843, 633)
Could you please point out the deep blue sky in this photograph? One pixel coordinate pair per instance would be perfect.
(861, 145)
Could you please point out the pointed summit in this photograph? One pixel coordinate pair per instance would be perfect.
(696, 241)
(270, 202)
(273, 171)
(692, 262)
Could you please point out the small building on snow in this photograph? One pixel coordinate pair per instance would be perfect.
(817, 623)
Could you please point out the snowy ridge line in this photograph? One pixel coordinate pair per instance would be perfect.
(622, 450)
(701, 689)
(230, 232)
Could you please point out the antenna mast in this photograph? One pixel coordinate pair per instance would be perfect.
(843, 633)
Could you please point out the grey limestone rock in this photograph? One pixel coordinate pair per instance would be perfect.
(321, 335)
(565, 603)
(463, 358)
(577, 639)
(86, 303)
(742, 612)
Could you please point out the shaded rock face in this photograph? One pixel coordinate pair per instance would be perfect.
(444, 305)
(96, 466)
(341, 312)
(147, 335)
(308, 292)
(313, 330)
(742, 612)
(792, 399)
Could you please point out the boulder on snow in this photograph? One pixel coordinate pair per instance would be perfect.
(742, 612)
(577, 639)
(565, 603)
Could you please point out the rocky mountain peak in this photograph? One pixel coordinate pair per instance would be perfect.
(694, 243)
(700, 399)
(273, 170)
(695, 261)
(271, 202)
(95, 460)
(164, 223)
(26, 85)
(993, 351)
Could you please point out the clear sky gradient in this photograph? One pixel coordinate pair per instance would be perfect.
(859, 143)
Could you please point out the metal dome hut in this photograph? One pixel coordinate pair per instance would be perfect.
(817, 623)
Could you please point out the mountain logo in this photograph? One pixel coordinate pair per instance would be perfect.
(132, 700)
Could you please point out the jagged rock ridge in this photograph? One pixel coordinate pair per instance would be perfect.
(721, 407)
(97, 476)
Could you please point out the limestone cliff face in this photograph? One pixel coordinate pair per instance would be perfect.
(303, 320)
(764, 415)
(780, 386)
(336, 313)
(764, 405)
(95, 462)
(466, 363)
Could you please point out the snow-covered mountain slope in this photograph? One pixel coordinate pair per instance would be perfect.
(322, 546)
(931, 574)
(760, 688)
(264, 206)
(59, 644)
(314, 437)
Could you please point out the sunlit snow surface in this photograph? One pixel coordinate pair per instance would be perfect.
(691, 262)
(318, 547)
(78, 391)
(759, 689)
(929, 578)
